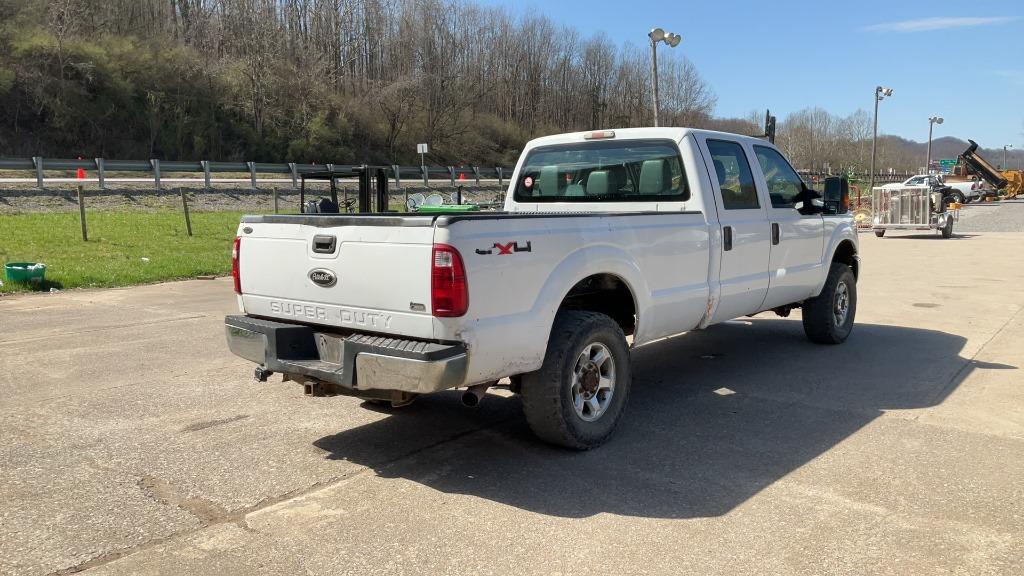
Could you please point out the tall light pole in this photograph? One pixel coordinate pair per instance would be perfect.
(880, 93)
(1004, 155)
(658, 35)
(928, 160)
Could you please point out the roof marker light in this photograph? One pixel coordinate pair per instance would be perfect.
(599, 135)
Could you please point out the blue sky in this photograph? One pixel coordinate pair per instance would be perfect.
(960, 60)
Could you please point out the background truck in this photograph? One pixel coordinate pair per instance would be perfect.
(608, 239)
(958, 189)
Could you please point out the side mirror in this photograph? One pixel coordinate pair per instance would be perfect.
(808, 201)
(837, 195)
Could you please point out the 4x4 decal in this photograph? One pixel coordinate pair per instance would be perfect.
(505, 249)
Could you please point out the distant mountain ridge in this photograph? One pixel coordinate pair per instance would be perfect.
(949, 147)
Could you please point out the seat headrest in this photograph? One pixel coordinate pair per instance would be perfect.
(548, 183)
(720, 171)
(598, 183)
(655, 177)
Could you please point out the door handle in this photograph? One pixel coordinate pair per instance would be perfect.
(776, 233)
(324, 244)
(727, 238)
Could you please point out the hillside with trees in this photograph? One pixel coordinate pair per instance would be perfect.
(343, 80)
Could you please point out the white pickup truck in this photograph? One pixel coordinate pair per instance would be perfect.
(642, 233)
(960, 189)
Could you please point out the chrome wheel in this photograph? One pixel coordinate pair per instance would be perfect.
(593, 381)
(841, 304)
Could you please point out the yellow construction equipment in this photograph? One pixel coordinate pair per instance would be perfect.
(971, 161)
(1014, 183)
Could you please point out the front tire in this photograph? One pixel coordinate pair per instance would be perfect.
(579, 394)
(947, 230)
(959, 197)
(828, 317)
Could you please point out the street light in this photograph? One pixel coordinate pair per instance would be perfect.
(672, 40)
(928, 160)
(880, 93)
(1004, 155)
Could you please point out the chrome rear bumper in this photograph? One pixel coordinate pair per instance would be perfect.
(356, 362)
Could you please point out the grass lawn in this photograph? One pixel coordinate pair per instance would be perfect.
(123, 248)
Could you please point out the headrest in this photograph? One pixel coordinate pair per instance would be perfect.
(655, 177)
(548, 183)
(598, 183)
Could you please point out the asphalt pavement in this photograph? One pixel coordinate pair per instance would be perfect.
(1002, 216)
(133, 442)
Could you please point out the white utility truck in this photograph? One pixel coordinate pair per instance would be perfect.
(642, 233)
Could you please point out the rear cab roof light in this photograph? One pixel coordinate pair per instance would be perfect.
(599, 135)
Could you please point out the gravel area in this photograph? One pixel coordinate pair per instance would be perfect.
(1003, 216)
(15, 201)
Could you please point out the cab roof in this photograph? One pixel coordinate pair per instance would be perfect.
(671, 133)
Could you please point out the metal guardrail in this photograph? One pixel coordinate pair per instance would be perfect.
(208, 167)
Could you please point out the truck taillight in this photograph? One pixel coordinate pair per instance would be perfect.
(449, 291)
(236, 275)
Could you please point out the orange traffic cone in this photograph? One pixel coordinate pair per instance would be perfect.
(81, 172)
(462, 175)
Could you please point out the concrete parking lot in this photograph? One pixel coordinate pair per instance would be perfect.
(132, 442)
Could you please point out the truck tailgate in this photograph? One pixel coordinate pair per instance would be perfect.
(366, 277)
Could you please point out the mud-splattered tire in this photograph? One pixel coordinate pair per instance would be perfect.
(579, 394)
(828, 317)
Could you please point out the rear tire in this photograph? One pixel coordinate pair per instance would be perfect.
(959, 197)
(579, 394)
(828, 317)
(880, 232)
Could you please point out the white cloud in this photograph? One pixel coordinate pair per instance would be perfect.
(938, 23)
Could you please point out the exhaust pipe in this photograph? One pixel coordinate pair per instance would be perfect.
(474, 394)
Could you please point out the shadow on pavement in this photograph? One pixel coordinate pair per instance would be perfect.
(926, 236)
(714, 417)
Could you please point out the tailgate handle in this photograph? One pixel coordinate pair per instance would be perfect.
(324, 244)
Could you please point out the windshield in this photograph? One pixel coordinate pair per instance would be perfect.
(608, 171)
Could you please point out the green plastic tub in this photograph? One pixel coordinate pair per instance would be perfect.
(27, 272)
(448, 209)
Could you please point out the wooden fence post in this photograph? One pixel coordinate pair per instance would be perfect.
(275, 199)
(81, 214)
(184, 206)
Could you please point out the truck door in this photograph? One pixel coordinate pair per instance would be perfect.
(745, 241)
(795, 263)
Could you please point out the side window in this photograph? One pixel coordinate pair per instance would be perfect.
(734, 176)
(783, 182)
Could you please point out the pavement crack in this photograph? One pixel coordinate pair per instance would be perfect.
(211, 423)
(211, 514)
(205, 511)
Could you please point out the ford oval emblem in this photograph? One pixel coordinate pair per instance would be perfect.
(323, 277)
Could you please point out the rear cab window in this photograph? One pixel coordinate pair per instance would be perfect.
(604, 171)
